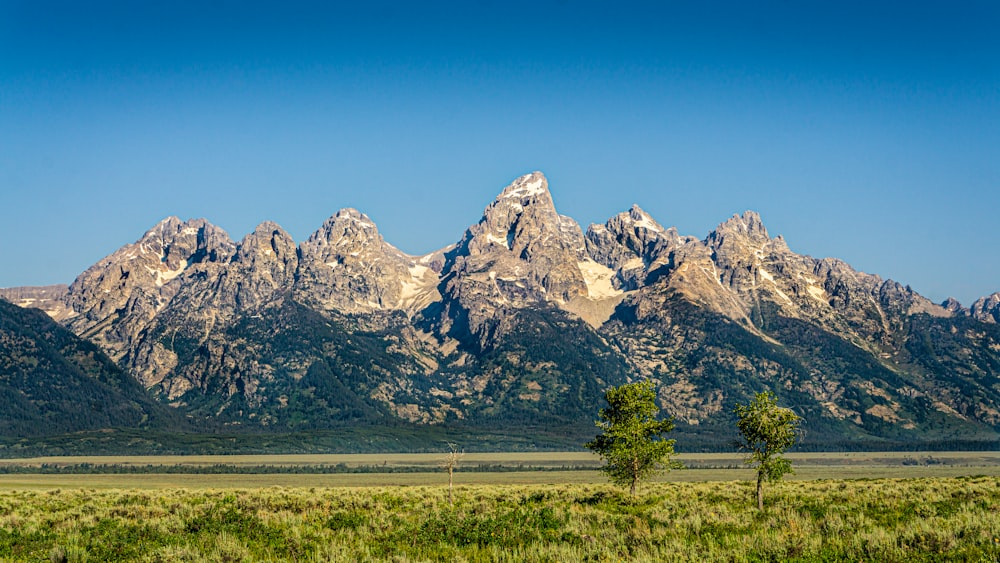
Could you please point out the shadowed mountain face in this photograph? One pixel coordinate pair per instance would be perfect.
(525, 321)
(51, 381)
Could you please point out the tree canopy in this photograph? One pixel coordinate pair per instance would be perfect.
(632, 441)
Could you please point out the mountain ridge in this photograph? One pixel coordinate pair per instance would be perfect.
(260, 332)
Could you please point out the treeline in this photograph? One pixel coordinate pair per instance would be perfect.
(225, 469)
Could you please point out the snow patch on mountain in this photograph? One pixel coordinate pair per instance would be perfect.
(526, 186)
(817, 292)
(598, 279)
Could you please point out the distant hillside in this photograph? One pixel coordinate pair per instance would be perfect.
(53, 382)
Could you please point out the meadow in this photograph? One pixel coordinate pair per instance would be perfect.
(946, 509)
(929, 519)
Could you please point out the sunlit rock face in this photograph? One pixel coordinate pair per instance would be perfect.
(987, 309)
(346, 266)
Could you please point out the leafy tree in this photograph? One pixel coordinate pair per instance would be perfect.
(767, 431)
(631, 442)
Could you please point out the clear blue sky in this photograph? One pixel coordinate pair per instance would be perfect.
(867, 131)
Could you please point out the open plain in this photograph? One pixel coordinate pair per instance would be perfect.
(926, 506)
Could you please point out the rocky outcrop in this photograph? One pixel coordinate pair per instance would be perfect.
(635, 246)
(987, 309)
(263, 267)
(48, 298)
(207, 304)
(953, 306)
(115, 299)
(346, 266)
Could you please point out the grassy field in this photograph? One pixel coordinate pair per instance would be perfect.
(936, 506)
(936, 519)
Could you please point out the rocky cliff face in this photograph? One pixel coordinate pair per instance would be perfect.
(48, 298)
(347, 267)
(522, 253)
(987, 309)
(115, 299)
(207, 302)
(526, 319)
(635, 247)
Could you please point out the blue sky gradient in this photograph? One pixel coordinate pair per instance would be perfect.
(866, 131)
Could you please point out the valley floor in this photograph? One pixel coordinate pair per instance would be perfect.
(497, 468)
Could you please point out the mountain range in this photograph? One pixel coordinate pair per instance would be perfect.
(515, 330)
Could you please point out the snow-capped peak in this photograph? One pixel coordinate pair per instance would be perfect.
(526, 186)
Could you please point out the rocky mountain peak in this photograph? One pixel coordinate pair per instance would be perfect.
(347, 266)
(346, 226)
(194, 241)
(741, 243)
(268, 242)
(164, 227)
(265, 264)
(953, 305)
(347, 236)
(527, 188)
(748, 226)
(161, 255)
(523, 220)
(632, 244)
(128, 287)
(643, 220)
(521, 252)
(987, 309)
(351, 214)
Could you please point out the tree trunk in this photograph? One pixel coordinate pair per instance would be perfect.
(451, 472)
(760, 491)
(635, 474)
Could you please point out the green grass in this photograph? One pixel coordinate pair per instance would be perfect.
(939, 519)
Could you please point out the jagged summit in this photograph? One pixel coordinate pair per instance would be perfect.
(268, 243)
(521, 253)
(953, 305)
(523, 220)
(527, 186)
(634, 245)
(351, 214)
(347, 266)
(127, 288)
(987, 309)
(164, 225)
(347, 222)
(266, 263)
(643, 220)
(749, 224)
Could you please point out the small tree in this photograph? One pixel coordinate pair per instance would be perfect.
(767, 431)
(449, 463)
(631, 442)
